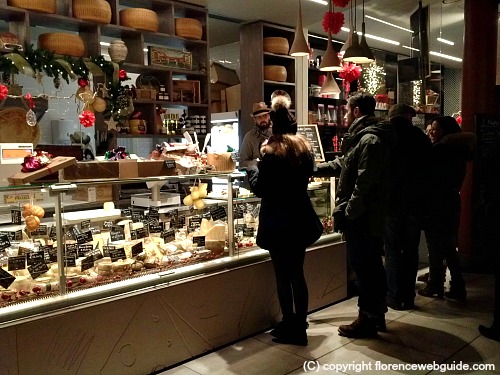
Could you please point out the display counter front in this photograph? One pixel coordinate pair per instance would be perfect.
(152, 280)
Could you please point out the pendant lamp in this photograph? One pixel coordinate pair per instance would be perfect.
(330, 86)
(330, 60)
(368, 52)
(350, 36)
(299, 45)
(355, 53)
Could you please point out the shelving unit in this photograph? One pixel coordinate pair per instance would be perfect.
(253, 59)
(27, 25)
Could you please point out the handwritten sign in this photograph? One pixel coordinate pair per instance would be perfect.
(311, 133)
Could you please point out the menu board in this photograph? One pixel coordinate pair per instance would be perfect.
(312, 134)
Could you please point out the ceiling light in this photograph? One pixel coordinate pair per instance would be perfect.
(322, 2)
(445, 41)
(390, 24)
(370, 36)
(329, 87)
(445, 56)
(299, 46)
(330, 60)
(408, 47)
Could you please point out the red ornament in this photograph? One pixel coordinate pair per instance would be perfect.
(82, 82)
(87, 118)
(122, 74)
(459, 120)
(30, 100)
(333, 21)
(4, 91)
(341, 3)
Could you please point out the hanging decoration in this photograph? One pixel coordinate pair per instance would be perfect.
(4, 91)
(372, 78)
(333, 21)
(349, 73)
(87, 118)
(30, 115)
(37, 62)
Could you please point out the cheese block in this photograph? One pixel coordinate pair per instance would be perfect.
(217, 233)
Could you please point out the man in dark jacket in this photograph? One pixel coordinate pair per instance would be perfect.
(253, 140)
(403, 222)
(360, 209)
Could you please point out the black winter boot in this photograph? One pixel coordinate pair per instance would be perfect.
(457, 292)
(292, 332)
(363, 327)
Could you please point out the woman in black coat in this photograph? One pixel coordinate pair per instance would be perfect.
(287, 221)
(450, 151)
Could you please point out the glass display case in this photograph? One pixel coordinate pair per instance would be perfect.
(69, 243)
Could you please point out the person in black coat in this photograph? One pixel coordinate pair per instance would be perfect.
(451, 150)
(287, 220)
(403, 224)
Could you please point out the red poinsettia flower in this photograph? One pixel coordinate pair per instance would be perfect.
(122, 74)
(333, 21)
(4, 91)
(82, 82)
(341, 3)
(87, 118)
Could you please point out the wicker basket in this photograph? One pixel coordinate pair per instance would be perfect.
(275, 73)
(92, 10)
(139, 18)
(62, 44)
(276, 44)
(45, 6)
(188, 28)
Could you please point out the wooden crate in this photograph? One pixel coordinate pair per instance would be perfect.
(186, 91)
(146, 94)
(98, 193)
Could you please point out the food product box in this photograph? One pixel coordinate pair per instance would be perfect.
(152, 168)
(99, 193)
(58, 163)
(126, 168)
(233, 98)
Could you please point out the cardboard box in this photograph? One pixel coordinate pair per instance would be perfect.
(151, 168)
(233, 98)
(99, 193)
(186, 91)
(126, 168)
(58, 163)
(220, 74)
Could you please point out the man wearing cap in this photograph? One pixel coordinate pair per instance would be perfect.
(253, 140)
(406, 207)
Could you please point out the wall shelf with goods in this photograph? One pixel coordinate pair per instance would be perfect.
(165, 39)
(265, 65)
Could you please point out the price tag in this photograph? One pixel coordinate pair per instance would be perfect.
(52, 254)
(248, 232)
(71, 249)
(4, 241)
(199, 240)
(35, 257)
(95, 230)
(117, 253)
(18, 235)
(117, 235)
(154, 213)
(181, 221)
(70, 261)
(95, 254)
(239, 213)
(85, 224)
(168, 235)
(155, 227)
(45, 250)
(87, 263)
(41, 231)
(37, 269)
(136, 217)
(107, 249)
(126, 212)
(218, 213)
(169, 163)
(6, 279)
(84, 250)
(239, 227)
(141, 233)
(194, 222)
(108, 224)
(87, 236)
(15, 215)
(16, 263)
(74, 232)
(137, 249)
(133, 234)
(53, 232)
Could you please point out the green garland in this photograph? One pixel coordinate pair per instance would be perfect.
(38, 62)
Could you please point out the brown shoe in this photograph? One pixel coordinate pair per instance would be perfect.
(362, 327)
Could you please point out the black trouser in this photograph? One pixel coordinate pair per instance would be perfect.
(290, 282)
(364, 251)
(401, 241)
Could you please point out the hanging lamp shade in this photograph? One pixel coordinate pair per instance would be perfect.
(348, 41)
(368, 54)
(330, 86)
(330, 61)
(299, 45)
(354, 53)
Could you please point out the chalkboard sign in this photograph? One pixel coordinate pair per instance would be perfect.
(137, 249)
(6, 278)
(4, 242)
(310, 132)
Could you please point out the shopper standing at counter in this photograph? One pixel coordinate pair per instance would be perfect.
(253, 140)
(286, 229)
(403, 224)
(450, 151)
(361, 205)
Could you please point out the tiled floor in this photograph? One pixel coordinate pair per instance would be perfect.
(437, 331)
